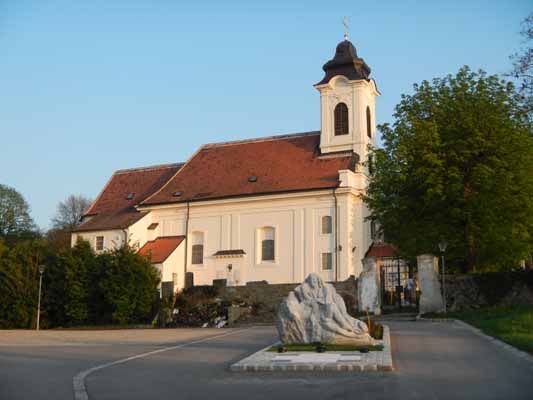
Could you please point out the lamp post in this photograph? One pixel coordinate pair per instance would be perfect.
(442, 247)
(41, 272)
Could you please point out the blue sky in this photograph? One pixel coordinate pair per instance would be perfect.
(88, 87)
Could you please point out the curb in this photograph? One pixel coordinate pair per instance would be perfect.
(250, 364)
(509, 348)
(478, 332)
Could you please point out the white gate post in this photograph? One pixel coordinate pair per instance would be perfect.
(428, 280)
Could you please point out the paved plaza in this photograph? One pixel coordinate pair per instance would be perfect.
(432, 360)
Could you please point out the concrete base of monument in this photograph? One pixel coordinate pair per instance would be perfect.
(268, 361)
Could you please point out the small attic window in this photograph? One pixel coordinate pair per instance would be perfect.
(177, 193)
(252, 178)
(129, 196)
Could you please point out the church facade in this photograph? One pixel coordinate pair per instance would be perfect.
(269, 209)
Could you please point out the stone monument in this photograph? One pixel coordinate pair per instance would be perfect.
(368, 287)
(315, 312)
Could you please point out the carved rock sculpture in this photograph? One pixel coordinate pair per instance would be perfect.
(315, 312)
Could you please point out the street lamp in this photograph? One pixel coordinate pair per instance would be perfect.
(41, 272)
(442, 247)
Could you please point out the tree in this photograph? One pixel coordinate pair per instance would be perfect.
(15, 217)
(69, 212)
(457, 164)
(523, 65)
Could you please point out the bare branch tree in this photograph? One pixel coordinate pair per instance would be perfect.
(69, 212)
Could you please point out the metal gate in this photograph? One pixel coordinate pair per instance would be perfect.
(398, 284)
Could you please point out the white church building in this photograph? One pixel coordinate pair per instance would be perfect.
(269, 209)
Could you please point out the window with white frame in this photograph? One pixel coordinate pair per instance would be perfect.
(99, 243)
(197, 248)
(327, 261)
(267, 238)
(326, 224)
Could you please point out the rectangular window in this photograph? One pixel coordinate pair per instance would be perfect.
(198, 254)
(327, 261)
(99, 243)
(267, 238)
(267, 250)
(326, 224)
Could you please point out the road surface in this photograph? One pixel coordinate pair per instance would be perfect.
(432, 361)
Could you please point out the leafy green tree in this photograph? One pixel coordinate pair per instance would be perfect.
(15, 217)
(457, 164)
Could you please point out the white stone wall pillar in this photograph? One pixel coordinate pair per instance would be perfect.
(428, 280)
(368, 287)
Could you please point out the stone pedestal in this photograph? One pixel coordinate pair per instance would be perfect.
(428, 280)
(368, 287)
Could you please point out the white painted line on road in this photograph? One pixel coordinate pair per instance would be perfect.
(78, 382)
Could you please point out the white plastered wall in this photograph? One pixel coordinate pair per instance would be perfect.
(234, 224)
(112, 238)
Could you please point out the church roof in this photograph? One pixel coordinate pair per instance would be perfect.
(161, 248)
(114, 207)
(346, 63)
(270, 165)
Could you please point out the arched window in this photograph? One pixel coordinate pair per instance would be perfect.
(267, 238)
(326, 224)
(341, 119)
(368, 122)
(197, 248)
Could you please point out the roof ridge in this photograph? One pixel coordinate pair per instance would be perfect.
(149, 168)
(181, 168)
(260, 139)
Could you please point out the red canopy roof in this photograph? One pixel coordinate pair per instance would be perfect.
(380, 250)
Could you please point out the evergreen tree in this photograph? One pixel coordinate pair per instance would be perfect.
(126, 286)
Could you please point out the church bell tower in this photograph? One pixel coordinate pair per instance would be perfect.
(347, 103)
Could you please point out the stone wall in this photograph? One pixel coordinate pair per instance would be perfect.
(263, 299)
(489, 289)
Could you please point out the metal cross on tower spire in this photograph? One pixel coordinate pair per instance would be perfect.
(345, 23)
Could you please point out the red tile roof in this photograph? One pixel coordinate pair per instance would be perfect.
(381, 250)
(161, 248)
(113, 209)
(281, 164)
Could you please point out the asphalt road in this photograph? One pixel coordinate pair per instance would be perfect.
(432, 361)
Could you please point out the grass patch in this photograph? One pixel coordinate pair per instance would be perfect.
(511, 324)
(329, 347)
